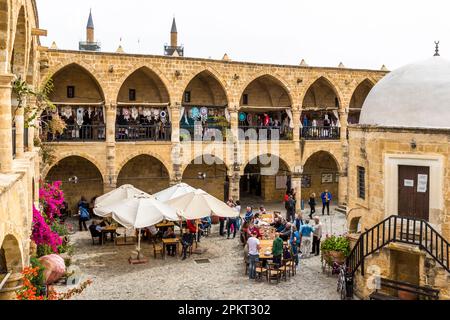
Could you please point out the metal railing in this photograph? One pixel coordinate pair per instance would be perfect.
(13, 141)
(403, 230)
(209, 133)
(256, 133)
(80, 133)
(320, 133)
(143, 133)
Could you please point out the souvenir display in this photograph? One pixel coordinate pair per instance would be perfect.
(195, 113)
(80, 115)
(134, 113)
(242, 116)
(204, 112)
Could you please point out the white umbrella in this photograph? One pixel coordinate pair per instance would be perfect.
(140, 212)
(117, 195)
(199, 204)
(174, 192)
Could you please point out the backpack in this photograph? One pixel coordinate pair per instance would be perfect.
(84, 214)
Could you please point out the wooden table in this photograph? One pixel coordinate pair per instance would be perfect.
(268, 218)
(111, 230)
(165, 225)
(170, 241)
(266, 245)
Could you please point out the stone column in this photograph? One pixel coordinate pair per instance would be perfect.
(110, 182)
(343, 119)
(19, 121)
(296, 114)
(235, 180)
(6, 157)
(234, 122)
(297, 186)
(175, 118)
(31, 128)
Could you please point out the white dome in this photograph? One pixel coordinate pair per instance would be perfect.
(415, 96)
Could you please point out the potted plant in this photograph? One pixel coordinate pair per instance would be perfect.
(335, 249)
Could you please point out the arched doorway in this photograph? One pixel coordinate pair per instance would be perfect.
(18, 56)
(320, 116)
(80, 178)
(357, 101)
(265, 107)
(4, 33)
(266, 178)
(320, 173)
(204, 112)
(142, 104)
(145, 173)
(208, 173)
(10, 256)
(80, 104)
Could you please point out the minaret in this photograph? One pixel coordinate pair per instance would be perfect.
(90, 29)
(174, 34)
(174, 49)
(89, 44)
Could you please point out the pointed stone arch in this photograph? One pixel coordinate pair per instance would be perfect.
(11, 254)
(87, 80)
(358, 98)
(215, 78)
(18, 57)
(274, 79)
(153, 70)
(4, 35)
(324, 83)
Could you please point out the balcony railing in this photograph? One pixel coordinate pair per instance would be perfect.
(13, 141)
(143, 133)
(80, 133)
(210, 133)
(320, 133)
(255, 133)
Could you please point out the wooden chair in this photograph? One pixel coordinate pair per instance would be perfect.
(157, 249)
(94, 236)
(260, 271)
(286, 269)
(273, 273)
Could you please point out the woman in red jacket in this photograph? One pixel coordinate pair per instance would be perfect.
(193, 228)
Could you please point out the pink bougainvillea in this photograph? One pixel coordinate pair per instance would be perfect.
(51, 198)
(42, 234)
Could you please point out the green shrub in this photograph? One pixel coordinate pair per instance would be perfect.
(339, 244)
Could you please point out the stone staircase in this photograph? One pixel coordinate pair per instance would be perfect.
(342, 208)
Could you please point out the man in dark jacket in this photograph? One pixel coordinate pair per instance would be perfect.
(187, 240)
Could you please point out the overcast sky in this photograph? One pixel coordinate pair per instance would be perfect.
(360, 33)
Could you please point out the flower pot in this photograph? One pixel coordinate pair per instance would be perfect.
(14, 283)
(337, 256)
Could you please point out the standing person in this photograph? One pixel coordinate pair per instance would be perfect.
(295, 243)
(317, 237)
(290, 216)
(305, 237)
(312, 205)
(238, 209)
(231, 223)
(192, 226)
(83, 211)
(277, 249)
(221, 226)
(254, 245)
(326, 200)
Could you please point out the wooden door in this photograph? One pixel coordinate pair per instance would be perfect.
(414, 192)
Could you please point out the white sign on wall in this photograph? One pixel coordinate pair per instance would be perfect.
(409, 183)
(422, 183)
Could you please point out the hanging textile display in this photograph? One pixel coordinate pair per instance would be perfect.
(134, 113)
(80, 115)
(242, 116)
(291, 118)
(227, 115)
(66, 112)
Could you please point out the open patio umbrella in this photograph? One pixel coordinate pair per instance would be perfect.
(199, 204)
(140, 212)
(120, 194)
(174, 192)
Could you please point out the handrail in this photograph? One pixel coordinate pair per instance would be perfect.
(5, 279)
(398, 229)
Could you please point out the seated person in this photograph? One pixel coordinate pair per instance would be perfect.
(152, 232)
(96, 230)
(262, 210)
(186, 241)
(171, 248)
(192, 226)
(248, 214)
(285, 234)
(206, 223)
(254, 230)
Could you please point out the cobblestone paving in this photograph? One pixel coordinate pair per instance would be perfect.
(222, 278)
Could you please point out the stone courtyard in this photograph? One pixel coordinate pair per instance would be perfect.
(222, 278)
